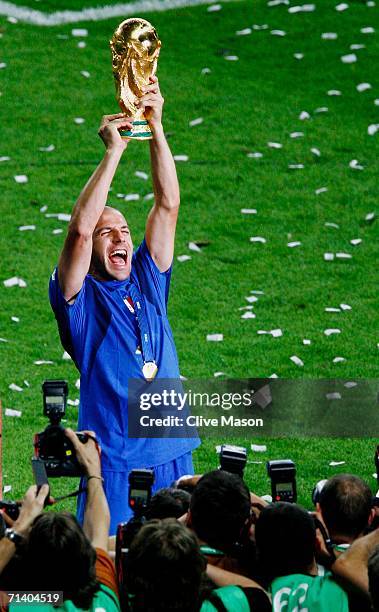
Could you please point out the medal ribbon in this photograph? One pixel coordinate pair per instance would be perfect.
(143, 326)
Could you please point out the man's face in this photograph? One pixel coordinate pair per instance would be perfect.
(112, 247)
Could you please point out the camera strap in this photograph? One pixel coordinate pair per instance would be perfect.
(150, 368)
(54, 500)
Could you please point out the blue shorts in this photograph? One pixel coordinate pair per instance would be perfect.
(116, 487)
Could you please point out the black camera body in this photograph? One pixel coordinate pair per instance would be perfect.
(52, 445)
(233, 459)
(282, 473)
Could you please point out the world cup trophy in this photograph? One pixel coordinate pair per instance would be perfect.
(135, 49)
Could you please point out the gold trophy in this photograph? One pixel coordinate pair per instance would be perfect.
(135, 49)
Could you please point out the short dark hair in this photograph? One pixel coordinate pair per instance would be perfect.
(373, 578)
(220, 506)
(59, 557)
(285, 535)
(346, 502)
(168, 503)
(164, 568)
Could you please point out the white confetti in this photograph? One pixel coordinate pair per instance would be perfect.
(350, 384)
(77, 383)
(8, 488)
(47, 149)
(321, 190)
(376, 101)
(305, 8)
(370, 216)
(149, 196)
(316, 151)
(81, 44)
(274, 145)
(367, 30)
(355, 165)
(329, 35)
(248, 315)
(26, 228)
(43, 208)
(255, 155)
(257, 292)
(64, 217)
(79, 32)
(304, 115)
(12, 413)
(350, 58)
(273, 376)
(336, 463)
(342, 7)
(296, 134)
(66, 356)
(4, 158)
(182, 258)
(249, 211)
(15, 319)
(306, 342)
(345, 307)
(295, 166)
(193, 247)
(206, 70)
(79, 120)
(215, 337)
(3, 340)
(231, 58)
(259, 448)
(218, 374)
(26, 383)
(214, 8)
(372, 129)
(328, 256)
(182, 158)
(244, 32)
(251, 299)
(14, 387)
(245, 308)
(341, 255)
(132, 197)
(14, 281)
(321, 109)
(298, 56)
(356, 241)
(331, 309)
(333, 396)
(357, 47)
(276, 333)
(363, 87)
(331, 331)
(293, 244)
(57, 231)
(278, 32)
(142, 175)
(297, 361)
(339, 359)
(2, 65)
(257, 239)
(334, 225)
(43, 362)
(196, 121)
(85, 74)
(73, 402)
(21, 178)
(334, 92)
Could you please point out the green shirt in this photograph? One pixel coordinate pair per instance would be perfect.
(302, 593)
(105, 600)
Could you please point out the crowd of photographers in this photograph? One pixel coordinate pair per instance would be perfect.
(206, 544)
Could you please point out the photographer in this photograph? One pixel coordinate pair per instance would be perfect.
(58, 554)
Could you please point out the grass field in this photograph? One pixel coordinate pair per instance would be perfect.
(245, 104)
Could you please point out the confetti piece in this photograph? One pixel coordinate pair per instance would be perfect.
(321, 109)
(342, 7)
(305, 8)
(297, 361)
(331, 331)
(26, 383)
(4, 158)
(47, 149)
(328, 256)
(296, 134)
(367, 30)
(276, 333)
(363, 87)
(14, 281)
(339, 359)
(306, 342)
(335, 463)
(350, 384)
(183, 158)
(295, 166)
(214, 8)
(273, 376)
(3, 340)
(249, 211)
(260, 27)
(259, 448)
(21, 178)
(197, 121)
(274, 145)
(194, 247)
(64, 217)
(245, 308)
(278, 32)
(334, 92)
(73, 402)
(8, 488)
(15, 319)
(350, 58)
(255, 155)
(356, 241)
(66, 356)
(257, 292)
(142, 175)
(251, 299)
(370, 216)
(244, 32)
(82, 44)
(357, 47)
(14, 387)
(79, 32)
(355, 165)
(2, 65)
(132, 197)
(43, 208)
(331, 309)
(341, 255)
(272, 3)
(79, 120)
(316, 151)
(376, 102)
(206, 70)
(85, 74)
(231, 58)
(372, 129)
(12, 413)
(43, 362)
(25, 228)
(298, 56)
(218, 374)
(334, 225)
(321, 190)
(304, 115)
(248, 315)
(257, 239)
(56, 231)
(182, 258)
(149, 196)
(293, 244)
(345, 307)
(77, 383)
(215, 337)
(329, 35)
(333, 396)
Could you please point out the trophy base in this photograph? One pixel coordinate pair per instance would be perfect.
(140, 131)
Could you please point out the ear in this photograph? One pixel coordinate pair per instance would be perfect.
(318, 507)
(189, 519)
(371, 516)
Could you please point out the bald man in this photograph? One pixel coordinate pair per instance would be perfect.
(98, 292)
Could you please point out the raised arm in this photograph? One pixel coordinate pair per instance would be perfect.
(75, 258)
(351, 566)
(161, 222)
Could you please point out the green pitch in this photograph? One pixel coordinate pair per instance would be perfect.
(245, 103)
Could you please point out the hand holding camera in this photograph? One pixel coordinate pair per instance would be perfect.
(87, 451)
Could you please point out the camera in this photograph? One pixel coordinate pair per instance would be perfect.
(52, 445)
(140, 485)
(282, 473)
(233, 459)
